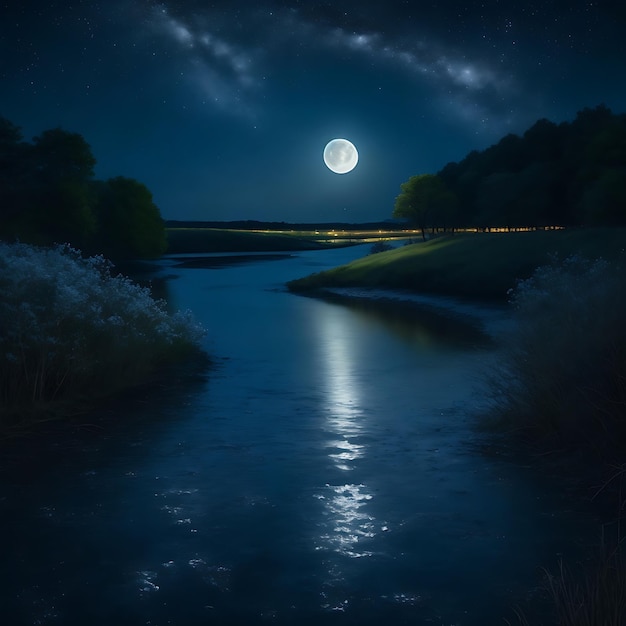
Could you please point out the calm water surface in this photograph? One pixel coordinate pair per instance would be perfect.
(324, 471)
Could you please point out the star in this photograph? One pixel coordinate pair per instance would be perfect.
(222, 112)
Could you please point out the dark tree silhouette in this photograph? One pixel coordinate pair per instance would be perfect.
(48, 194)
(568, 174)
(13, 174)
(57, 196)
(62, 155)
(129, 223)
(426, 202)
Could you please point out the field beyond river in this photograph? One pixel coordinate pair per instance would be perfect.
(477, 265)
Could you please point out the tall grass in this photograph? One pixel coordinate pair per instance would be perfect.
(564, 367)
(562, 380)
(593, 594)
(596, 597)
(69, 329)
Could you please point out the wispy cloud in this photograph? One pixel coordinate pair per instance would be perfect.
(476, 85)
(221, 70)
(227, 66)
(447, 68)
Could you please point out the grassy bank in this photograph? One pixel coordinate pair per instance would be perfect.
(476, 265)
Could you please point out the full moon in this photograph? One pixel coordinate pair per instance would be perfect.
(340, 156)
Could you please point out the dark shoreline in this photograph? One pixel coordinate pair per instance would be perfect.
(212, 262)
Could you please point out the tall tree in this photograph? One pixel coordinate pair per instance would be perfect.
(129, 223)
(425, 202)
(604, 200)
(48, 194)
(543, 141)
(62, 155)
(14, 154)
(566, 174)
(62, 205)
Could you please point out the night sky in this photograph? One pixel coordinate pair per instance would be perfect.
(223, 109)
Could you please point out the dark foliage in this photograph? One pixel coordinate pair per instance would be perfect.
(129, 223)
(568, 174)
(563, 371)
(552, 175)
(426, 203)
(48, 195)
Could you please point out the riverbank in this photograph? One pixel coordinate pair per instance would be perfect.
(560, 385)
(482, 266)
(558, 393)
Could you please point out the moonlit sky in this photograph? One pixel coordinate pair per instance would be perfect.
(223, 108)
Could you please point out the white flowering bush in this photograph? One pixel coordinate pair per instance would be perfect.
(69, 328)
(564, 368)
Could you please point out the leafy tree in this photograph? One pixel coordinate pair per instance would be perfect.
(129, 223)
(589, 121)
(425, 202)
(496, 200)
(543, 141)
(551, 175)
(13, 174)
(462, 178)
(513, 199)
(61, 205)
(604, 201)
(62, 155)
(605, 148)
(48, 194)
(508, 155)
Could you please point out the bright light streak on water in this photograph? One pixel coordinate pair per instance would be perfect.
(349, 522)
(324, 471)
(341, 387)
(347, 451)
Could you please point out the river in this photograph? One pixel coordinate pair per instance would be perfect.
(323, 470)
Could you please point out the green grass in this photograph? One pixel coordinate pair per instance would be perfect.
(476, 265)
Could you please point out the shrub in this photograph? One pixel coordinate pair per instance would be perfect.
(564, 367)
(70, 329)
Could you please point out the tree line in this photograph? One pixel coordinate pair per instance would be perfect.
(568, 174)
(48, 194)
